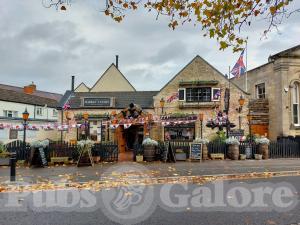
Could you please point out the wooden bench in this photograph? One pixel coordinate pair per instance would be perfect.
(214, 156)
(64, 160)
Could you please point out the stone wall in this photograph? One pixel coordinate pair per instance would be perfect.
(199, 70)
(278, 75)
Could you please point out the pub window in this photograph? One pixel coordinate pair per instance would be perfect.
(181, 94)
(202, 94)
(180, 132)
(295, 103)
(260, 91)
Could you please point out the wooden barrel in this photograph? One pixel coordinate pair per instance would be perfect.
(233, 152)
(204, 152)
(149, 153)
(264, 151)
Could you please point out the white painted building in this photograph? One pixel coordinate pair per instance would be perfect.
(42, 109)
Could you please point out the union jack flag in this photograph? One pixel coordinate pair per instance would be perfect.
(173, 97)
(239, 68)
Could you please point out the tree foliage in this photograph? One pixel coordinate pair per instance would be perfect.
(219, 19)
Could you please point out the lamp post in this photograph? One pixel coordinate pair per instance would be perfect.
(162, 105)
(86, 125)
(241, 104)
(201, 116)
(25, 116)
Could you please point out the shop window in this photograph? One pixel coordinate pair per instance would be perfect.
(260, 91)
(180, 132)
(200, 94)
(295, 103)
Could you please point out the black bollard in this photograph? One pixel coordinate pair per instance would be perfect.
(12, 162)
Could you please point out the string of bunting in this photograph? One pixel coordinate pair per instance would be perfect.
(112, 124)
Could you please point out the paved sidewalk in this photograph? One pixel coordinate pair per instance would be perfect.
(72, 173)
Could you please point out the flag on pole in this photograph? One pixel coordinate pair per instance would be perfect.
(239, 68)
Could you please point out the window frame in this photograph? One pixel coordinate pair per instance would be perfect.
(184, 93)
(196, 93)
(212, 95)
(295, 102)
(37, 111)
(257, 86)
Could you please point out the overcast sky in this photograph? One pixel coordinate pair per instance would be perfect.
(48, 46)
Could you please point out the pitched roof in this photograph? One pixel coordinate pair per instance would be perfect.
(105, 74)
(218, 72)
(80, 86)
(43, 94)
(18, 97)
(285, 53)
(122, 99)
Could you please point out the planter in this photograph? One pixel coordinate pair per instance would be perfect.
(258, 156)
(139, 158)
(204, 152)
(233, 152)
(242, 157)
(263, 149)
(149, 153)
(180, 156)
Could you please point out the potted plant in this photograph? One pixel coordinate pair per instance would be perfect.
(149, 146)
(180, 155)
(85, 151)
(263, 146)
(204, 143)
(233, 148)
(4, 155)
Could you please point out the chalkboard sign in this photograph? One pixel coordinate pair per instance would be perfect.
(196, 151)
(85, 158)
(43, 157)
(38, 157)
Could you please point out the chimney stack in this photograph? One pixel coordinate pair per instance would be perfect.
(117, 61)
(73, 83)
(29, 89)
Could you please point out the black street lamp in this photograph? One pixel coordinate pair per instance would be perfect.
(241, 104)
(86, 124)
(25, 116)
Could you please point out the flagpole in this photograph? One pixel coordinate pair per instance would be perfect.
(246, 66)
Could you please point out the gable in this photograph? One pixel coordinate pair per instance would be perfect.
(112, 81)
(82, 88)
(197, 70)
